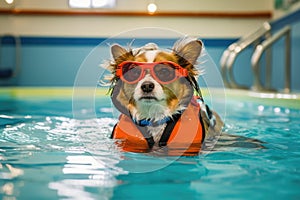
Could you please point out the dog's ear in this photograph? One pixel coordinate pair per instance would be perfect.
(115, 96)
(187, 50)
(118, 52)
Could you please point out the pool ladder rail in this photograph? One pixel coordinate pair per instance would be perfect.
(262, 39)
(10, 71)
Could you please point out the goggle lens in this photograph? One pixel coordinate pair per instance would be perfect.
(164, 72)
(131, 72)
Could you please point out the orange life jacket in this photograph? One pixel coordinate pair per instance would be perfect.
(185, 138)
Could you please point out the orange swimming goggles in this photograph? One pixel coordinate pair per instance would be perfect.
(163, 72)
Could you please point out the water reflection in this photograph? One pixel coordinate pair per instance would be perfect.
(90, 170)
(82, 174)
(49, 156)
(8, 173)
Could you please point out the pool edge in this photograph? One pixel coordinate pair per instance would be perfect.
(275, 99)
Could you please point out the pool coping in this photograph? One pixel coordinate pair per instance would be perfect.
(291, 100)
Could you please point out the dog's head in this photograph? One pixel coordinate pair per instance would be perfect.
(150, 83)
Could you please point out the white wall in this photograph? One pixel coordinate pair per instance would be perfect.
(164, 5)
(105, 26)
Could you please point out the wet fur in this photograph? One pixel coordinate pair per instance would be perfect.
(174, 97)
(175, 92)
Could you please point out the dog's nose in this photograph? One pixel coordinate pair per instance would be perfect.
(147, 86)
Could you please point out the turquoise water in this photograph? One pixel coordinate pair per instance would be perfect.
(46, 154)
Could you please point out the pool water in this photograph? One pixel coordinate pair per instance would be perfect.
(47, 154)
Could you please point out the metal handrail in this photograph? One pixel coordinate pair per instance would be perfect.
(265, 45)
(230, 54)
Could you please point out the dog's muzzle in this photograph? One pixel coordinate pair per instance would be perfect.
(147, 87)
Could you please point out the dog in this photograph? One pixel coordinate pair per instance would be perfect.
(162, 109)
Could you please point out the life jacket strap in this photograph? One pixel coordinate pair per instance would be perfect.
(168, 130)
(147, 136)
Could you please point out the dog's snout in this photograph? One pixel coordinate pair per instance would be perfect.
(147, 87)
